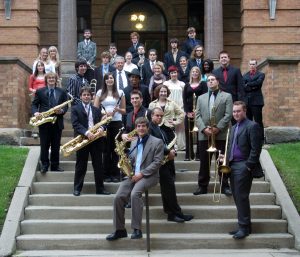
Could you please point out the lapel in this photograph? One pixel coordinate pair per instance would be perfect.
(218, 99)
(82, 110)
(242, 129)
(147, 149)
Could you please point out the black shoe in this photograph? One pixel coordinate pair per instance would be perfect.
(187, 217)
(235, 231)
(187, 159)
(76, 193)
(108, 180)
(241, 234)
(201, 191)
(116, 235)
(58, 169)
(103, 192)
(175, 219)
(115, 180)
(44, 169)
(127, 205)
(197, 160)
(226, 191)
(136, 234)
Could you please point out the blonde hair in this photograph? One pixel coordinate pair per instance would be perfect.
(51, 48)
(195, 68)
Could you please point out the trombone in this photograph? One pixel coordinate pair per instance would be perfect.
(223, 169)
(195, 128)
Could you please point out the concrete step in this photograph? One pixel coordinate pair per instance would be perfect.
(30, 141)
(154, 199)
(158, 241)
(67, 226)
(89, 187)
(156, 212)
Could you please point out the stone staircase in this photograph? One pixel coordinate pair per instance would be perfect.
(56, 220)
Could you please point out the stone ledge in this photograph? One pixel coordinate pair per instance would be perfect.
(276, 135)
(278, 60)
(15, 60)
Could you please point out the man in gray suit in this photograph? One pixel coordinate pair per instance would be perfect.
(146, 153)
(213, 116)
(87, 50)
(244, 150)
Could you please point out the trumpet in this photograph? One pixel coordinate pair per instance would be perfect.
(223, 169)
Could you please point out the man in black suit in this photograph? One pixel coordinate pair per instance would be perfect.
(84, 116)
(244, 150)
(190, 43)
(104, 68)
(147, 69)
(173, 56)
(254, 99)
(50, 134)
(196, 58)
(167, 170)
(134, 37)
(230, 77)
(135, 84)
(120, 75)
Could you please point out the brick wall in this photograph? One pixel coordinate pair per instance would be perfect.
(14, 98)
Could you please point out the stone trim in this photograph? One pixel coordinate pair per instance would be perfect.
(15, 60)
(277, 60)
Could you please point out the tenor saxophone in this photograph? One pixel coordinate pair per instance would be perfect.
(45, 117)
(81, 141)
(169, 146)
(124, 162)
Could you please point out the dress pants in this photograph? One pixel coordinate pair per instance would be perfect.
(82, 156)
(189, 139)
(50, 135)
(129, 189)
(254, 112)
(241, 182)
(205, 160)
(168, 190)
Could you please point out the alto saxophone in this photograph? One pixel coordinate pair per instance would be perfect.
(169, 146)
(81, 141)
(124, 162)
(45, 117)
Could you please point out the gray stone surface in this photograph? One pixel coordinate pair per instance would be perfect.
(10, 136)
(282, 134)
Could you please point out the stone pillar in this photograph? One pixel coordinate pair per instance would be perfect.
(67, 34)
(213, 28)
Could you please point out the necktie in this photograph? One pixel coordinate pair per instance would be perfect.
(234, 141)
(198, 63)
(134, 117)
(121, 85)
(225, 74)
(139, 156)
(51, 98)
(211, 102)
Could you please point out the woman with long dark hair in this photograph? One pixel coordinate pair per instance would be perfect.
(37, 79)
(112, 102)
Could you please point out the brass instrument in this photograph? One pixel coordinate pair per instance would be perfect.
(169, 146)
(224, 169)
(81, 141)
(124, 162)
(212, 139)
(45, 117)
(195, 128)
(93, 85)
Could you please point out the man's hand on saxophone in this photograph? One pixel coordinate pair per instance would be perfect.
(128, 138)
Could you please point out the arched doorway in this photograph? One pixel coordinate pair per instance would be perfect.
(147, 19)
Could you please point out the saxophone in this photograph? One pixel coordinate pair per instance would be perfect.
(169, 146)
(45, 117)
(81, 141)
(124, 162)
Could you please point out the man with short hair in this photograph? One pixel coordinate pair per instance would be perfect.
(133, 49)
(84, 116)
(135, 84)
(230, 77)
(173, 56)
(146, 154)
(120, 75)
(148, 66)
(87, 50)
(103, 68)
(243, 157)
(254, 99)
(113, 52)
(50, 134)
(77, 81)
(190, 43)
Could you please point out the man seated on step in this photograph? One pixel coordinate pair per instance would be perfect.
(167, 170)
(84, 116)
(244, 148)
(146, 154)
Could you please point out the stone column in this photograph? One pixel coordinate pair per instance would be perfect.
(213, 28)
(67, 34)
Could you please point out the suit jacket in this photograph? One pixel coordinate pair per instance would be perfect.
(98, 75)
(184, 75)
(87, 51)
(252, 86)
(147, 73)
(142, 112)
(193, 63)
(169, 60)
(188, 98)
(115, 74)
(153, 155)
(40, 103)
(133, 50)
(250, 145)
(172, 110)
(146, 97)
(223, 113)
(187, 46)
(234, 83)
(79, 118)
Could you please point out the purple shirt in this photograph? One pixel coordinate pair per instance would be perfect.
(237, 154)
